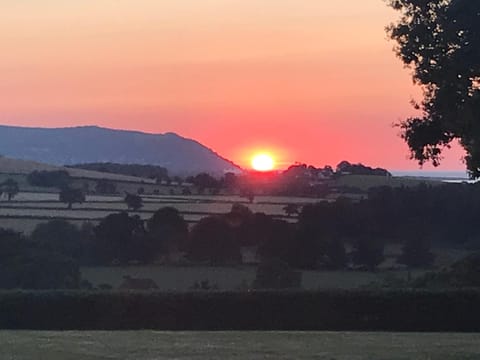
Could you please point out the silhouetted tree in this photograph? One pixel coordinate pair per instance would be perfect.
(56, 178)
(212, 240)
(369, 251)
(439, 40)
(9, 187)
(59, 236)
(133, 202)
(120, 237)
(203, 181)
(71, 196)
(168, 230)
(279, 243)
(30, 266)
(291, 209)
(416, 250)
(230, 181)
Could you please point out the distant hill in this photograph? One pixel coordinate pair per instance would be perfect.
(92, 144)
(17, 166)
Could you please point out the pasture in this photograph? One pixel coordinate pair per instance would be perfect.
(31, 208)
(275, 345)
(182, 278)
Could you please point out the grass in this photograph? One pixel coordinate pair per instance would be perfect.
(181, 278)
(143, 345)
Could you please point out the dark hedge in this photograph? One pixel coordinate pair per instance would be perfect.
(409, 310)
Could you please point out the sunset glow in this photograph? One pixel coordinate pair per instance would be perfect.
(263, 162)
(317, 79)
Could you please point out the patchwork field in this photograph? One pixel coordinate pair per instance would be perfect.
(149, 345)
(30, 208)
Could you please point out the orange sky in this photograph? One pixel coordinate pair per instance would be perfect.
(311, 81)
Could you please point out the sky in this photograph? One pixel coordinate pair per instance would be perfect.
(309, 81)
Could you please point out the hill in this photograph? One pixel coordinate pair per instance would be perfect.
(92, 144)
(24, 167)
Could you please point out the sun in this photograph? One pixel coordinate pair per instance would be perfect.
(263, 162)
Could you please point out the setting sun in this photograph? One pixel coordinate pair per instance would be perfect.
(263, 162)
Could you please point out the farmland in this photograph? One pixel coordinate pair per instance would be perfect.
(182, 278)
(31, 208)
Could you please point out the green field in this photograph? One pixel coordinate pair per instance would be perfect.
(151, 345)
(181, 278)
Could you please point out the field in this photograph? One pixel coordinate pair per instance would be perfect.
(150, 345)
(31, 208)
(181, 278)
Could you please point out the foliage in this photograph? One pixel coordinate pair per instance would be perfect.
(104, 186)
(121, 238)
(212, 240)
(9, 187)
(463, 273)
(440, 41)
(360, 169)
(56, 178)
(133, 201)
(146, 171)
(356, 310)
(59, 236)
(168, 230)
(416, 252)
(291, 209)
(368, 252)
(71, 196)
(203, 181)
(31, 266)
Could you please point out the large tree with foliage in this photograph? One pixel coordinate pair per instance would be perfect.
(168, 230)
(71, 196)
(440, 42)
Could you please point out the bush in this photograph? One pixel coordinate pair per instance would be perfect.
(356, 310)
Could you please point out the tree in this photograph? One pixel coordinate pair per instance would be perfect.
(9, 187)
(59, 236)
(121, 238)
(133, 202)
(368, 252)
(212, 240)
(56, 178)
(28, 265)
(203, 181)
(168, 230)
(71, 196)
(291, 209)
(416, 251)
(440, 41)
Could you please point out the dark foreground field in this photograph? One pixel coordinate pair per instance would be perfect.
(150, 345)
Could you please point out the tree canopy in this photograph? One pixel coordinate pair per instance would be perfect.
(440, 42)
